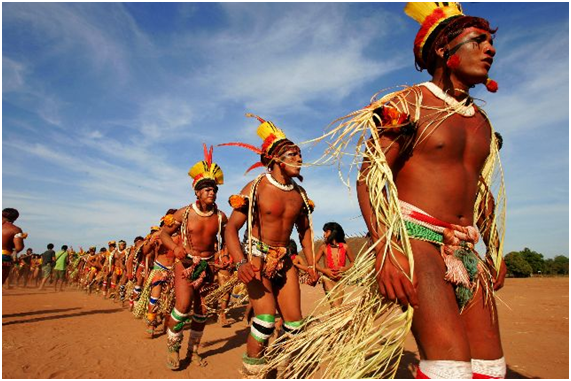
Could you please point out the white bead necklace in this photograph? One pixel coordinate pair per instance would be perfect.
(464, 108)
(200, 212)
(277, 184)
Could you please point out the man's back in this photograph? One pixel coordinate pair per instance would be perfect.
(9, 230)
(48, 257)
(61, 260)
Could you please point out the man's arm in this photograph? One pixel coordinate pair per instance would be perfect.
(168, 230)
(18, 241)
(393, 282)
(306, 240)
(232, 239)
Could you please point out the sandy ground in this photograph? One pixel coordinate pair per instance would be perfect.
(72, 335)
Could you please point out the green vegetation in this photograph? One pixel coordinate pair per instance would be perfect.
(521, 264)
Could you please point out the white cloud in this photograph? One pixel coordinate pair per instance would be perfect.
(292, 56)
(13, 74)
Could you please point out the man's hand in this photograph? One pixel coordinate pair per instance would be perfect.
(393, 283)
(247, 272)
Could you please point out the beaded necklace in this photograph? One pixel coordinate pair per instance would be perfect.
(464, 107)
(276, 183)
(200, 212)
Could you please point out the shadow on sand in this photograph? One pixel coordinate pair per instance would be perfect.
(39, 319)
(39, 312)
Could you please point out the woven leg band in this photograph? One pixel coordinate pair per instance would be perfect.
(253, 367)
(489, 368)
(173, 340)
(263, 327)
(446, 369)
(292, 327)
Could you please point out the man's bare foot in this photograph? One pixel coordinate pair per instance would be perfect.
(223, 320)
(196, 360)
(150, 332)
(173, 360)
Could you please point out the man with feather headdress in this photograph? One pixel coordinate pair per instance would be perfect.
(201, 225)
(429, 164)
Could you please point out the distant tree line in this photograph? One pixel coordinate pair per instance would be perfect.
(525, 263)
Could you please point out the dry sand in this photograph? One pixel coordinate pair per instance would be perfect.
(72, 335)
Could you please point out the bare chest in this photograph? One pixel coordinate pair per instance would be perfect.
(459, 139)
(202, 227)
(274, 203)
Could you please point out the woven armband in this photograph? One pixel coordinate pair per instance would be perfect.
(239, 202)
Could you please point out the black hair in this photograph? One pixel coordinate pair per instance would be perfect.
(205, 184)
(50, 246)
(138, 238)
(292, 247)
(276, 151)
(10, 214)
(64, 247)
(337, 232)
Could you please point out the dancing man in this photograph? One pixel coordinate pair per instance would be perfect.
(12, 240)
(201, 225)
(271, 204)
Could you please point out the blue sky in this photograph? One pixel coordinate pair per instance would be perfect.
(105, 106)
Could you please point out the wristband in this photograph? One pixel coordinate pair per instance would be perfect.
(244, 260)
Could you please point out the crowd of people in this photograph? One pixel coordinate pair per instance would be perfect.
(428, 156)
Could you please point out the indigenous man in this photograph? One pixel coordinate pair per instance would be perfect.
(336, 253)
(133, 271)
(94, 266)
(117, 268)
(272, 204)
(25, 267)
(157, 298)
(107, 270)
(141, 269)
(12, 240)
(201, 226)
(35, 269)
(429, 156)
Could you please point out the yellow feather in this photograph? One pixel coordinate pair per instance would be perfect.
(420, 11)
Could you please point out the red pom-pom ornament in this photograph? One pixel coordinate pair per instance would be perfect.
(491, 85)
(453, 62)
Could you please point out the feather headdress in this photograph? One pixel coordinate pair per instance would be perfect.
(206, 170)
(270, 135)
(432, 17)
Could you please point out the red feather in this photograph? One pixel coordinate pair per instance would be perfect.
(205, 154)
(257, 165)
(243, 145)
